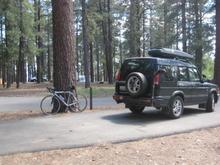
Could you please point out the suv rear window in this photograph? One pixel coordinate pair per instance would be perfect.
(137, 65)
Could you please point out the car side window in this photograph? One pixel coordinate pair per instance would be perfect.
(168, 75)
(183, 73)
(193, 75)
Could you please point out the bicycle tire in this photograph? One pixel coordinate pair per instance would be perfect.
(72, 100)
(82, 102)
(47, 105)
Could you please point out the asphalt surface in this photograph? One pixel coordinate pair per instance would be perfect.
(98, 127)
(16, 104)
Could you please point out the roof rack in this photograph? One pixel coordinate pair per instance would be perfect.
(171, 54)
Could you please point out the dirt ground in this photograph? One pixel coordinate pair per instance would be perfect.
(198, 147)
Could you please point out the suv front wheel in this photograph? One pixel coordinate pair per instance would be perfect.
(175, 108)
(210, 105)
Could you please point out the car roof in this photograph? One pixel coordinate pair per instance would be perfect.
(165, 61)
(170, 53)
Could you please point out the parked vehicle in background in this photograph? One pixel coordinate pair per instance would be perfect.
(167, 80)
(82, 78)
(33, 79)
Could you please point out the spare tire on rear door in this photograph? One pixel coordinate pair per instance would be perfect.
(136, 84)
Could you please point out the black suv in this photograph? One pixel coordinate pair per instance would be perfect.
(167, 80)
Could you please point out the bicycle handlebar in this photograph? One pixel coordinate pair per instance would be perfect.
(52, 90)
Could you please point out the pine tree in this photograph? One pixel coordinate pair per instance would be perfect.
(217, 53)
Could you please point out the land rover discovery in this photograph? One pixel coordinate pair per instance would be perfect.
(167, 80)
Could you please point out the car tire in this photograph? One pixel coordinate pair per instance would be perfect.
(210, 105)
(136, 84)
(175, 107)
(136, 109)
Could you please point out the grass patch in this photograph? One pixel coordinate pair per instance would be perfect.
(97, 91)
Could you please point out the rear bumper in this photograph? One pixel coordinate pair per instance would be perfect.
(156, 102)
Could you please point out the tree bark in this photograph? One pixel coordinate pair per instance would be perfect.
(21, 73)
(105, 7)
(91, 62)
(134, 29)
(184, 38)
(198, 39)
(144, 30)
(48, 50)
(77, 47)
(85, 45)
(2, 54)
(98, 62)
(63, 45)
(40, 60)
(217, 53)
(3, 58)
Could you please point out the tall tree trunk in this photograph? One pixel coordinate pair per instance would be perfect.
(8, 62)
(21, 73)
(3, 57)
(134, 28)
(109, 62)
(177, 33)
(120, 51)
(98, 63)
(144, 30)
(63, 45)
(9, 74)
(217, 53)
(184, 38)
(77, 47)
(91, 62)
(2, 48)
(85, 44)
(165, 29)
(198, 32)
(150, 25)
(48, 49)
(105, 7)
(40, 57)
(48, 57)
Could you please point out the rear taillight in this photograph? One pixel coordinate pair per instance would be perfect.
(157, 79)
(118, 75)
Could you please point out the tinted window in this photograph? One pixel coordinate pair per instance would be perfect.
(193, 75)
(183, 74)
(170, 73)
(137, 65)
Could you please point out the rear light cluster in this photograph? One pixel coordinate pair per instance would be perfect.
(118, 75)
(157, 79)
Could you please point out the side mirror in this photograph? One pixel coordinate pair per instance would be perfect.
(204, 77)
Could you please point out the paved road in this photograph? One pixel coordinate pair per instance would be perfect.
(88, 128)
(15, 104)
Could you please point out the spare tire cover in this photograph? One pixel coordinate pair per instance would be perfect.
(136, 84)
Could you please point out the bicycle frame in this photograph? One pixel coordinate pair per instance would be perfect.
(58, 94)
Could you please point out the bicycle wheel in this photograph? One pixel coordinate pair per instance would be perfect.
(50, 104)
(72, 100)
(81, 103)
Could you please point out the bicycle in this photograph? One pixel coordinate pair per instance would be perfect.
(72, 101)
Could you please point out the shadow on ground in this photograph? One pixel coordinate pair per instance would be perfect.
(148, 116)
